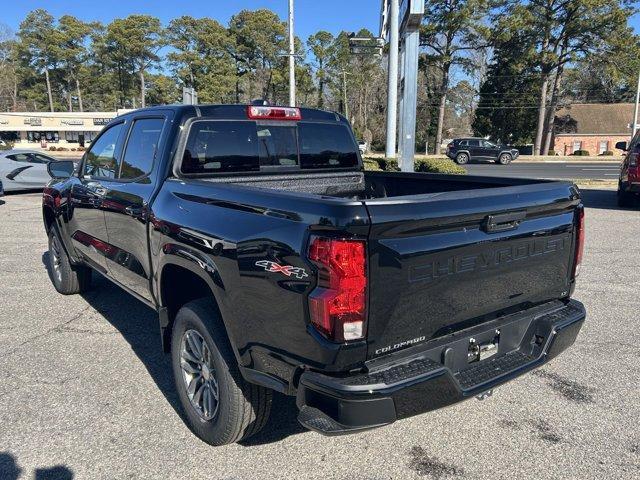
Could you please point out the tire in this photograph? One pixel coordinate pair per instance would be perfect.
(504, 159)
(462, 158)
(625, 199)
(242, 409)
(66, 278)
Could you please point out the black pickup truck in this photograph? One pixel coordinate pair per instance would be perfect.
(275, 262)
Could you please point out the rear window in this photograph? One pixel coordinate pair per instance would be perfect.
(246, 146)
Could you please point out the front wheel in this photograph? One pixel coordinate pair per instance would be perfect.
(66, 278)
(462, 158)
(504, 159)
(221, 407)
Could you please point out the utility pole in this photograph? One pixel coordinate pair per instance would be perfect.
(635, 109)
(392, 94)
(292, 61)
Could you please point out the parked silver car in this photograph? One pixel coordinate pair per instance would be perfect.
(24, 169)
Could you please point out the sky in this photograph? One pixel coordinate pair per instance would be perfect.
(310, 15)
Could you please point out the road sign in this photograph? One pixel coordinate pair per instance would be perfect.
(411, 12)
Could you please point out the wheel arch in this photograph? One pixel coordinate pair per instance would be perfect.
(181, 281)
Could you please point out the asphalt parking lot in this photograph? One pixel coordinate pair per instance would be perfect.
(599, 170)
(86, 393)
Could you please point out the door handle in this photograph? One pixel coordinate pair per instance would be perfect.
(503, 222)
(133, 211)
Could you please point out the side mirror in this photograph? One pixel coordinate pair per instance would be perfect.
(61, 169)
(621, 146)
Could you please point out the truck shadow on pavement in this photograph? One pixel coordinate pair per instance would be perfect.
(10, 470)
(138, 325)
(604, 199)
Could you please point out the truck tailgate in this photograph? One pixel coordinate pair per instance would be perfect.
(443, 262)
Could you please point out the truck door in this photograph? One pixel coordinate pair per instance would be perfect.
(86, 224)
(475, 149)
(126, 205)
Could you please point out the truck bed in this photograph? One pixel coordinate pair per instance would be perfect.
(436, 266)
(372, 185)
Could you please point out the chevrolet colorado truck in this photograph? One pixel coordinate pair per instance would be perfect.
(275, 262)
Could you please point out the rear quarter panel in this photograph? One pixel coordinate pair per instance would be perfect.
(223, 230)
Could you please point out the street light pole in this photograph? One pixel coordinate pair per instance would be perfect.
(292, 61)
(635, 109)
(392, 94)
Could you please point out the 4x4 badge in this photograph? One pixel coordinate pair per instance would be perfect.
(287, 270)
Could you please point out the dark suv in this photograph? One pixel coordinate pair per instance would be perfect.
(629, 182)
(461, 150)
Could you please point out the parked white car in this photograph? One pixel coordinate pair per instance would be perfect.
(24, 169)
(362, 146)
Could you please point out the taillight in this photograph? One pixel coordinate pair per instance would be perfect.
(274, 113)
(579, 243)
(634, 168)
(338, 304)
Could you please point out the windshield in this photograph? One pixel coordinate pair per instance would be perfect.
(244, 146)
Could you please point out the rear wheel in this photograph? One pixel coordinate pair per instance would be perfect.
(504, 159)
(66, 278)
(220, 406)
(462, 158)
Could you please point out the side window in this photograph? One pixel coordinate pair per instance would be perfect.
(221, 147)
(142, 147)
(488, 144)
(474, 143)
(101, 158)
(19, 157)
(463, 143)
(37, 158)
(635, 142)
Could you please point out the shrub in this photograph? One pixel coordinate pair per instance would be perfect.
(388, 164)
(439, 166)
(581, 153)
(607, 153)
(80, 149)
(371, 164)
(551, 152)
(429, 165)
(52, 148)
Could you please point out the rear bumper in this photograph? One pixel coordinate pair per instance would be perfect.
(421, 381)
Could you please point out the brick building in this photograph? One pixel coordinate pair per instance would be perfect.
(594, 127)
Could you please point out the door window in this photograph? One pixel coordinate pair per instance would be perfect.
(142, 147)
(38, 158)
(474, 143)
(19, 157)
(101, 158)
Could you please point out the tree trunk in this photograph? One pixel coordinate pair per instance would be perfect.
(80, 107)
(443, 101)
(542, 114)
(46, 76)
(551, 111)
(15, 91)
(143, 91)
(69, 102)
